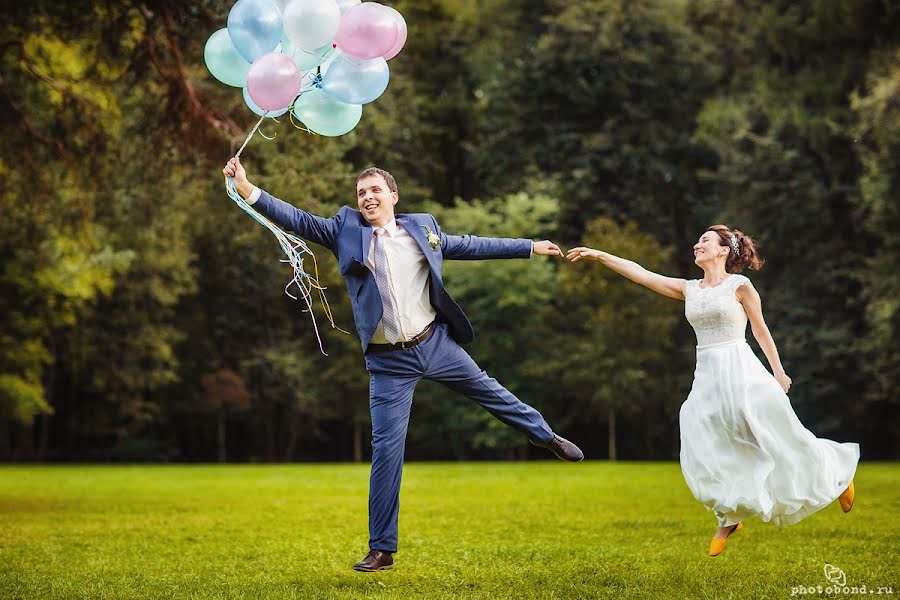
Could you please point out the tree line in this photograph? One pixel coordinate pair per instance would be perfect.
(143, 315)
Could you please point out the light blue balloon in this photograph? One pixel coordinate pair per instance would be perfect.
(254, 27)
(252, 106)
(324, 115)
(223, 61)
(306, 59)
(356, 81)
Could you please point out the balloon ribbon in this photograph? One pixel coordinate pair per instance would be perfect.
(307, 284)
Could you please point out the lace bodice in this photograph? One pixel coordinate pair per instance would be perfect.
(714, 313)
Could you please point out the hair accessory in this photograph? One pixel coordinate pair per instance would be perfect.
(734, 243)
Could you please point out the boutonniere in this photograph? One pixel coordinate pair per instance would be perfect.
(433, 240)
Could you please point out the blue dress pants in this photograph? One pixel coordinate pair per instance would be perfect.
(393, 379)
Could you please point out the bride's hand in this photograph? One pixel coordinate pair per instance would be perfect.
(784, 381)
(576, 254)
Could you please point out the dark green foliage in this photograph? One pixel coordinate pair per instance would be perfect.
(128, 275)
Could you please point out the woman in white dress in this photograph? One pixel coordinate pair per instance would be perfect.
(743, 450)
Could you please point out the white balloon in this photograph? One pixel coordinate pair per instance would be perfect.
(310, 24)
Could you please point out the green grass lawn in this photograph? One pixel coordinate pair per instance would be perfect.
(478, 530)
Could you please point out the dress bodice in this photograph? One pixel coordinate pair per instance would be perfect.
(714, 313)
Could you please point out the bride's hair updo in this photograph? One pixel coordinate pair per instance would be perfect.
(742, 249)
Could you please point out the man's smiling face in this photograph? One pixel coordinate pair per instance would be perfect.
(375, 200)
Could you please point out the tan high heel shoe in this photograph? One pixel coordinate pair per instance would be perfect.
(847, 497)
(718, 544)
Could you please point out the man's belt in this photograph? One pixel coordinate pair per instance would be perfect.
(418, 339)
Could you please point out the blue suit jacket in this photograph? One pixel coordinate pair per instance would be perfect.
(348, 235)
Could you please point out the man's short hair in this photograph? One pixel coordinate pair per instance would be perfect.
(372, 171)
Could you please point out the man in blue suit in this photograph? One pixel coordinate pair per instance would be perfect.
(409, 326)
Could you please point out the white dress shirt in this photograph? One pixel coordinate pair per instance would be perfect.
(409, 276)
(254, 196)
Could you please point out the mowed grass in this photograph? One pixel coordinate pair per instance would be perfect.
(470, 530)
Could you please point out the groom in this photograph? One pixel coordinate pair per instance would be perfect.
(409, 325)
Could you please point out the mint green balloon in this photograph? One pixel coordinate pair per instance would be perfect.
(224, 61)
(306, 59)
(324, 115)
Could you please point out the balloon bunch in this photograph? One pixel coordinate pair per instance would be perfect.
(319, 59)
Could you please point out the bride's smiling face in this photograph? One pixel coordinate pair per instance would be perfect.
(708, 248)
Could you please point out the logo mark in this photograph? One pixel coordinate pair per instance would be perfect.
(835, 575)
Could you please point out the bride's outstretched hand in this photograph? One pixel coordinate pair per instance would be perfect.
(576, 254)
(784, 381)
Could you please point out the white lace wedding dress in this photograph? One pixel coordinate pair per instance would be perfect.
(743, 450)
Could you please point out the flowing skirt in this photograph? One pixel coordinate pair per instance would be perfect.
(743, 450)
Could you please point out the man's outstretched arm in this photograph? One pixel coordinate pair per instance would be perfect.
(470, 247)
(316, 229)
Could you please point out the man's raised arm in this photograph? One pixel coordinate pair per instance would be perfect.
(316, 229)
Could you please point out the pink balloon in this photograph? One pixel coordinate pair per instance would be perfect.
(367, 31)
(401, 34)
(273, 81)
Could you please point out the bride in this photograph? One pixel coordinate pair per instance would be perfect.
(743, 450)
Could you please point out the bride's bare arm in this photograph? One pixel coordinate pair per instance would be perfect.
(750, 300)
(671, 287)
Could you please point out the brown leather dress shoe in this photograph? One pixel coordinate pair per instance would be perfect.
(562, 448)
(375, 560)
